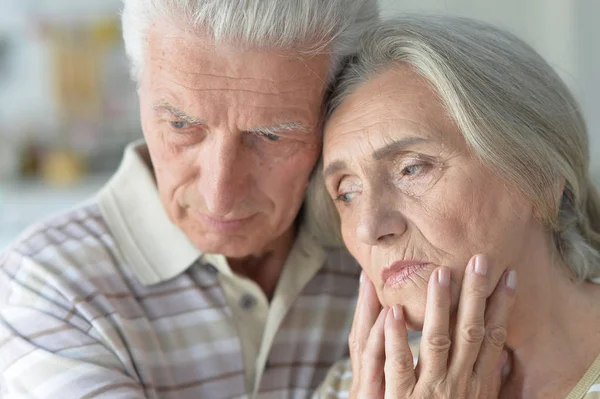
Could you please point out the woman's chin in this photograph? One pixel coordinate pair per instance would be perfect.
(414, 310)
(413, 304)
(415, 318)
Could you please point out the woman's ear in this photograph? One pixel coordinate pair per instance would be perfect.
(558, 197)
(559, 190)
(548, 210)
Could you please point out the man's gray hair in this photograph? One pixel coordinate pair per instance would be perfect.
(307, 26)
(513, 110)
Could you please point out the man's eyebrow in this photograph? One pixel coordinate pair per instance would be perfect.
(282, 127)
(396, 147)
(164, 106)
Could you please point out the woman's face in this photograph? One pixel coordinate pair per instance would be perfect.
(410, 195)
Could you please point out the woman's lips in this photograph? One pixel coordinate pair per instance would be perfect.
(398, 272)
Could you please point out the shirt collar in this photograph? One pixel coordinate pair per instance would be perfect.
(156, 249)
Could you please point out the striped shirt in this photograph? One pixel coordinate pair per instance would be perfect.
(111, 300)
(339, 380)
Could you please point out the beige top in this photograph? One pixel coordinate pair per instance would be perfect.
(112, 300)
(589, 385)
(338, 381)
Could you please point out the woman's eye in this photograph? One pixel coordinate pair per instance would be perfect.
(412, 170)
(179, 125)
(345, 197)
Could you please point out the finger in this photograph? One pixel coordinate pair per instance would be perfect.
(367, 310)
(366, 313)
(498, 378)
(470, 324)
(435, 341)
(371, 380)
(399, 371)
(496, 321)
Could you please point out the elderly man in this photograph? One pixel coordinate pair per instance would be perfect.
(192, 273)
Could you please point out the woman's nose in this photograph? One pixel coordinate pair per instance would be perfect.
(379, 224)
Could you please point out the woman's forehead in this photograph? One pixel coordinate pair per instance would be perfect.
(392, 106)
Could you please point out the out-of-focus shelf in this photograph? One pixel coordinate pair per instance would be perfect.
(23, 203)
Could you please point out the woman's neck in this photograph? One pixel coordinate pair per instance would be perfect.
(554, 330)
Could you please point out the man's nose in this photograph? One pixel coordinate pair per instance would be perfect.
(224, 177)
(379, 220)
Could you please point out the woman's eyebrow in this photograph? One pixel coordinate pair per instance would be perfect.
(333, 168)
(395, 147)
(386, 151)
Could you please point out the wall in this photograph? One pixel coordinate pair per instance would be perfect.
(564, 32)
(27, 88)
(28, 95)
(588, 70)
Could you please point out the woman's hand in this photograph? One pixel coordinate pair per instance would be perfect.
(461, 361)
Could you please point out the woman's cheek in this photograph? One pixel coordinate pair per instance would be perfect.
(455, 293)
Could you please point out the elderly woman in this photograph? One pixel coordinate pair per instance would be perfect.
(449, 138)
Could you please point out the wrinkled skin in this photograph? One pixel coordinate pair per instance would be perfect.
(233, 136)
(407, 188)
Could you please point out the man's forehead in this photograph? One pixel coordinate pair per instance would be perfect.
(197, 53)
(267, 90)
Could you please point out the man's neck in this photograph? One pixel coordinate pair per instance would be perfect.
(553, 333)
(265, 268)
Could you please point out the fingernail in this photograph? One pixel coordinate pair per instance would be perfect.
(397, 312)
(511, 279)
(481, 266)
(444, 277)
(362, 277)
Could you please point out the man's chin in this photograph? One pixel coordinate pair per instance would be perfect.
(228, 246)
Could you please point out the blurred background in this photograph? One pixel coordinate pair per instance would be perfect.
(67, 106)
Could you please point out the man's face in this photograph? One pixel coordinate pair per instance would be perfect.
(233, 136)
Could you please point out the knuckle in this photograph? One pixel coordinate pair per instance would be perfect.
(398, 363)
(474, 388)
(351, 341)
(496, 336)
(438, 343)
(428, 393)
(478, 291)
(442, 389)
(367, 359)
(354, 346)
(473, 333)
(353, 334)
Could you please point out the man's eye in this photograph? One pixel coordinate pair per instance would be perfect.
(179, 125)
(271, 136)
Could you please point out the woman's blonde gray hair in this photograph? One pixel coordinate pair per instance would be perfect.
(513, 110)
(307, 26)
